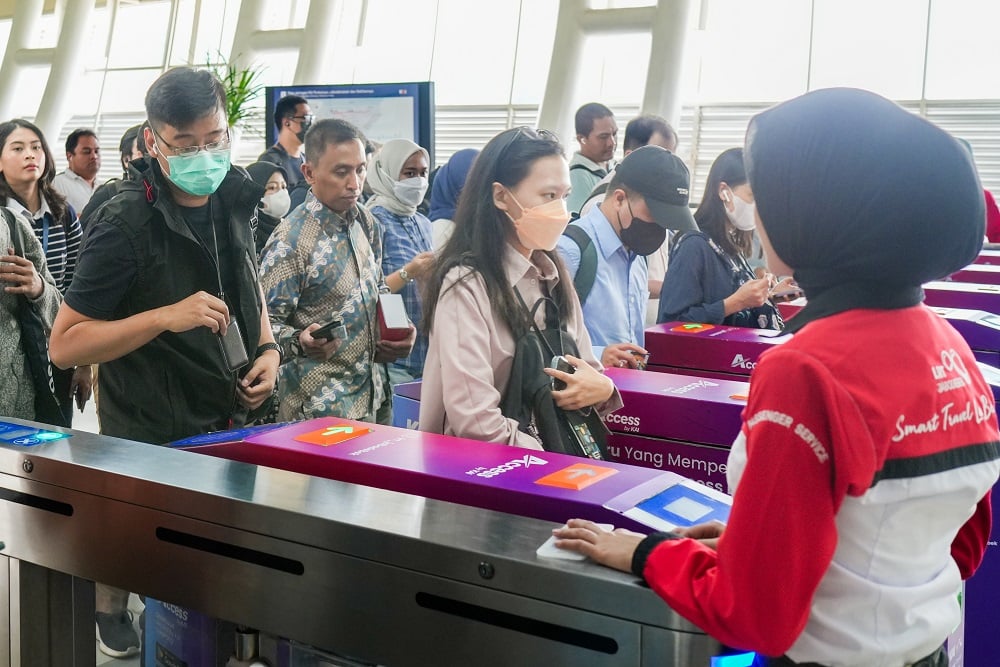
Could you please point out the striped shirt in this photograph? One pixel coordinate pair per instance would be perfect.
(403, 238)
(60, 240)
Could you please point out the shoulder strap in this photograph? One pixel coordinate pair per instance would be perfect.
(677, 239)
(551, 316)
(586, 273)
(600, 173)
(8, 215)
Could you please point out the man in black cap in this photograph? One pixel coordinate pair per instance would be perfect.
(604, 250)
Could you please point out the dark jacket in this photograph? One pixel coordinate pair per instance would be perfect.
(698, 280)
(178, 384)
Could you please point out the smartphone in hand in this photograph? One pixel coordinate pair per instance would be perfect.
(560, 364)
(334, 329)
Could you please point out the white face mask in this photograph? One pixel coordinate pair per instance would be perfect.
(276, 204)
(743, 216)
(410, 191)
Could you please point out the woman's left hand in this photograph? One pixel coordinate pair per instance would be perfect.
(584, 388)
(613, 549)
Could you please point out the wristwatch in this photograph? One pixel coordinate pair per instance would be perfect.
(269, 346)
(405, 275)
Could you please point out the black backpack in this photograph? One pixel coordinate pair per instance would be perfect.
(528, 398)
(586, 273)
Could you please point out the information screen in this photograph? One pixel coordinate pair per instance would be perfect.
(382, 111)
(683, 506)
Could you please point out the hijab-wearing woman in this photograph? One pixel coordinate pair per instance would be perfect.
(708, 276)
(862, 474)
(509, 218)
(26, 173)
(448, 184)
(275, 203)
(398, 179)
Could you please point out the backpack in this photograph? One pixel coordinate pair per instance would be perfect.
(528, 398)
(586, 273)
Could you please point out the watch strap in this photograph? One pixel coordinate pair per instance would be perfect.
(269, 346)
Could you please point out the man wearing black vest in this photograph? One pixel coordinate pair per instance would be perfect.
(166, 296)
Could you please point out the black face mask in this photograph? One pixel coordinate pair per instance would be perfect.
(303, 128)
(642, 237)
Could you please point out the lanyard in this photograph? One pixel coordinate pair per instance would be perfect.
(214, 255)
(45, 233)
(422, 244)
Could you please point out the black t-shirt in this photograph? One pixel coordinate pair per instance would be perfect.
(200, 220)
(107, 265)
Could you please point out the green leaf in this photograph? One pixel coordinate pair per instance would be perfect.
(242, 87)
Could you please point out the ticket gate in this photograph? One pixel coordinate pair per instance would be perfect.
(937, 293)
(672, 422)
(707, 350)
(543, 485)
(385, 577)
(988, 255)
(984, 274)
(971, 296)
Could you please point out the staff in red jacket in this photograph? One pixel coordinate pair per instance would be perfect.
(869, 446)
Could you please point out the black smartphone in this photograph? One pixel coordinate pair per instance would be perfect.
(330, 330)
(232, 347)
(560, 364)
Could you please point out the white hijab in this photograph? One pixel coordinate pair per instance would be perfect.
(385, 173)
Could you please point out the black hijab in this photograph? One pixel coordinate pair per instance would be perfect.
(865, 200)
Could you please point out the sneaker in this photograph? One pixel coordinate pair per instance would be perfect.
(115, 635)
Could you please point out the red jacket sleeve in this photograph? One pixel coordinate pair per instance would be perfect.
(969, 545)
(756, 592)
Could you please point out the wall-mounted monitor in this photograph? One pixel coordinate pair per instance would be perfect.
(383, 111)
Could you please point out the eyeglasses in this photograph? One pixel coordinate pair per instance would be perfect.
(187, 151)
(307, 119)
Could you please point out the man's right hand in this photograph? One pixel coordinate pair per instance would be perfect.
(198, 310)
(317, 349)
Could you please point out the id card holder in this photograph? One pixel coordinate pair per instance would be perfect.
(232, 347)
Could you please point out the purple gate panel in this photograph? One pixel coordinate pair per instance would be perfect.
(678, 407)
(708, 350)
(987, 256)
(971, 296)
(544, 485)
(984, 274)
(702, 463)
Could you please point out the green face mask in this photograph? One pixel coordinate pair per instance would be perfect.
(199, 174)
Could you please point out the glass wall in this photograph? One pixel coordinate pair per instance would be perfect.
(489, 60)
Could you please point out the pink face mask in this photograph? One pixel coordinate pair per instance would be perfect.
(539, 227)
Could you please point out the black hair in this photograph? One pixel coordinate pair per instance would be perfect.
(285, 108)
(74, 138)
(329, 132)
(711, 212)
(641, 129)
(616, 184)
(482, 230)
(183, 95)
(587, 114)
(130, 137)
(56, 202)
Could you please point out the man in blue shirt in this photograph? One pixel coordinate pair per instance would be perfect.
(648, 195)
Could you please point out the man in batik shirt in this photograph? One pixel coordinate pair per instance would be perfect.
(323, 263)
